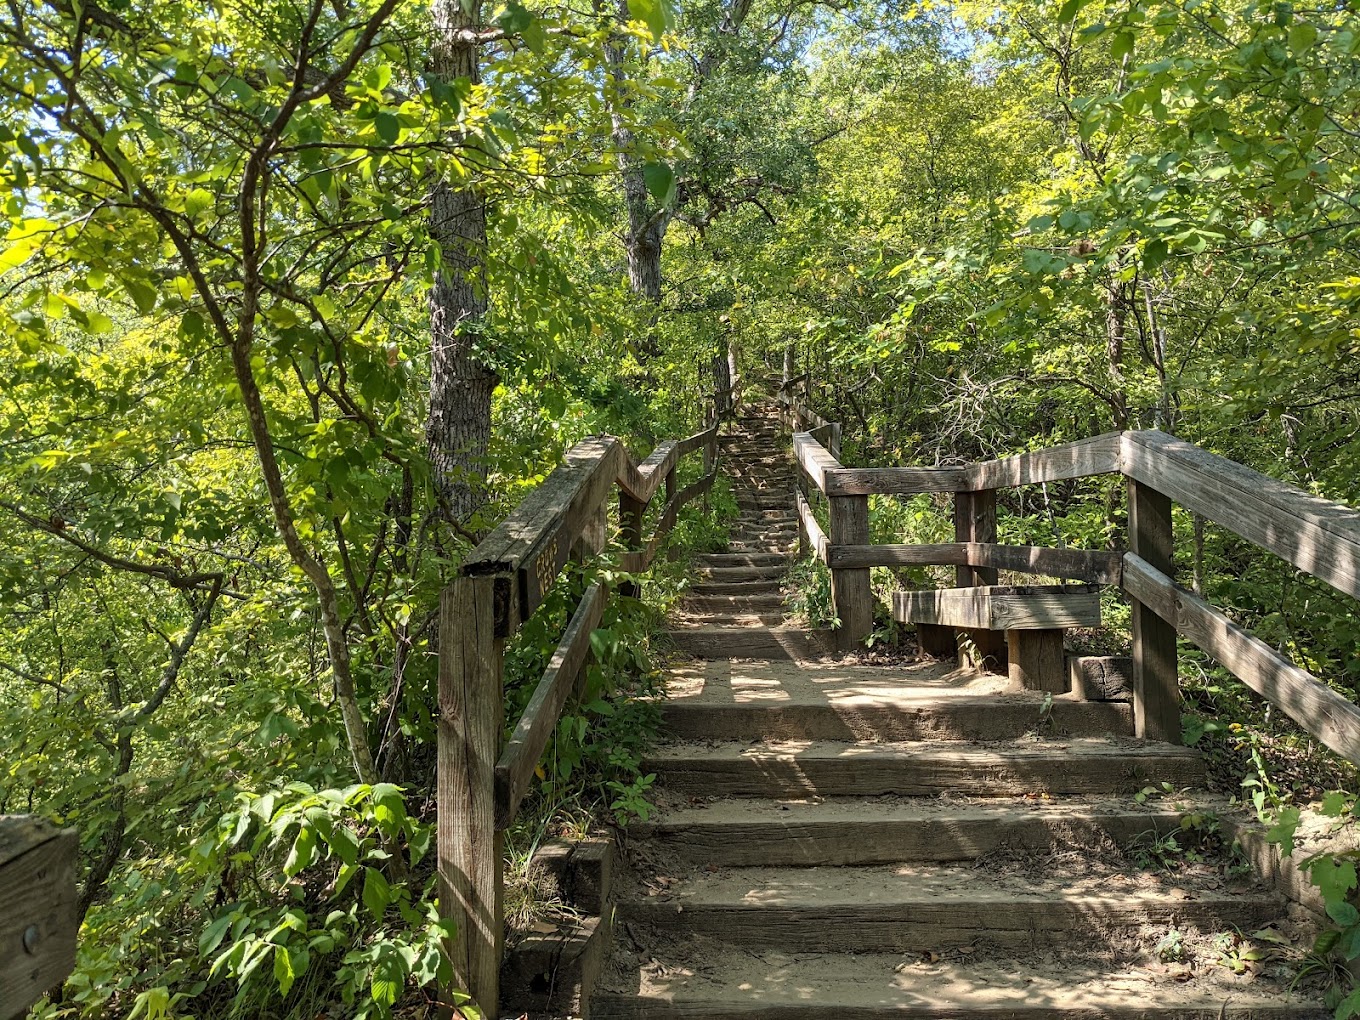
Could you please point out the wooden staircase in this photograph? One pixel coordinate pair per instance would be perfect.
(843, 840)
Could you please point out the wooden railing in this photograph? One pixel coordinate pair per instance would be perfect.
(1319, 537)
(501, 584)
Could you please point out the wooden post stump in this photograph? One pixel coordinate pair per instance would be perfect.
(1036, 660)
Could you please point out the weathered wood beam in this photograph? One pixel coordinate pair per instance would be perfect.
(1071, 564)
(843, 481)
(37, 910)
(814, 459)
(1314, 534)
(515, 769)
(942, 554)
(1329, 716)
(1087, 565)
(812, 533)
(1098, 455)
(1001, 608)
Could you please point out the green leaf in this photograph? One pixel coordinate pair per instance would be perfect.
(1335, 803)
(1342, 913)
(389, 977)
(1282, 832)
(653, 13)
(196, 201)
(377, 893)
(1350, 1006)
(387, 126)
(660, 179)
(1334, 877)
(142, 293)
(283, 969)
(1302, 38)
(1069, 11)
(1122, 45)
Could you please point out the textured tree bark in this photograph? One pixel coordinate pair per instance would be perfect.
(459, 426)
(646, 225)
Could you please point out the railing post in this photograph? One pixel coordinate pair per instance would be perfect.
(851, 593)
(630, 534)
(975, 521)
(670, 485)
(469, 847)
(1156, 685)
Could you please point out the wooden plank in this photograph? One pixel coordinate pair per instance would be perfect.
(813, 459)
(1315, 535)
(1000, 608)
(975, 522)
(843, 481)
(851, 593)
(695, 442)
(535, 541)
(961, 608)
(811, 531)
(942, 554)
(469, 845)
(1156, 684)
(1033, 608)
(1072, 564)
(37, 910)
(1098, 455)
(503, 549)
(1329, 716)
(535, 728)
(641, 481)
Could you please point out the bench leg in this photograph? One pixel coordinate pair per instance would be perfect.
(1036, 660)
(936, 641)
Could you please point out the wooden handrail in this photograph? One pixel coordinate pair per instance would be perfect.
(501, 584)
(530, 739)
(1320, 537)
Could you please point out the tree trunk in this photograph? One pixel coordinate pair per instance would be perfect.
(646, 225)
(459, 427)
(1116, 310)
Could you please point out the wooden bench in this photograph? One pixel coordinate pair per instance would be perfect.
(37, 910)
(1033, 618)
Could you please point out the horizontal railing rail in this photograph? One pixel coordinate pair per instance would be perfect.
(502, 582)
(1319, 537)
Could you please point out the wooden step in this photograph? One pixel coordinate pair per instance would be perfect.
(753, 621)
(760, 586)
(743, 832)
(918, 769)
(710, 561)
(774, 567)
(920, 908)
(722, 642)
(758, 603)
(701, 978)
(907, 717)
